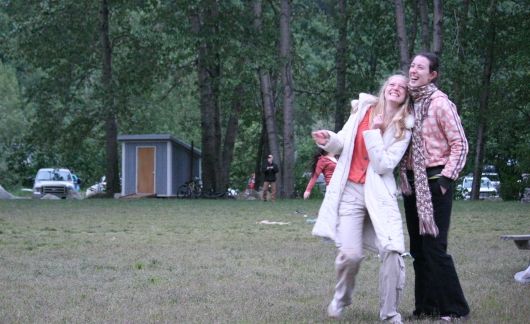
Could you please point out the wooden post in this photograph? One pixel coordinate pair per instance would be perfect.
(191, 162)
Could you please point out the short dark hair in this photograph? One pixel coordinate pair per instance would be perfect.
(434, 62)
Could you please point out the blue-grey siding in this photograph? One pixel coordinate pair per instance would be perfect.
(180, 160)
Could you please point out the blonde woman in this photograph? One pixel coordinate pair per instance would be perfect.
(360, 205)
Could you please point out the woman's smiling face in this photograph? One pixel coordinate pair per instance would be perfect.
(419, 72)
(396, 89)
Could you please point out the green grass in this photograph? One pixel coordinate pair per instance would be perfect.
(202, 261)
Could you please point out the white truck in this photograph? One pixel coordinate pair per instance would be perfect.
(59, 182)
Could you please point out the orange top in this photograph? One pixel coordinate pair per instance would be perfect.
(359, 161)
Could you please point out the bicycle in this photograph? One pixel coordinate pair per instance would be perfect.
(190, 189)
(194, 189)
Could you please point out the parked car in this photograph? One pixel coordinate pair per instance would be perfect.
(494, 178)
(487, 189)
(320, 183)
(97, 188)
(55, 181)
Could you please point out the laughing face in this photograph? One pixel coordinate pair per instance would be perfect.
(396, 89)
(420, 73)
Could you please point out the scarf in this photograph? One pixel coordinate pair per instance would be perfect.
(421, 97)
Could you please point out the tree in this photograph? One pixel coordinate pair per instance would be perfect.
(267, 97)
(288, 100)
(164, 77)
(507, 136)
(111, 128)
(425, 26)
(341, 98)
(437, 29)
(80, 76)
(205, 26)
(483, 104)
(402, 35)
(461, 45)
(13, 127)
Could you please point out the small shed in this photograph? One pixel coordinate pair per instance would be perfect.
(156, 164)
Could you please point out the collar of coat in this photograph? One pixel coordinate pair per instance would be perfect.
(365, 100)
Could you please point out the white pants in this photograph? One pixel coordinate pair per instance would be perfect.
(353, 215)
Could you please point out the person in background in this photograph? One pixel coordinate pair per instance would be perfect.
(360, 206)
(269, 171)
(436, 157)
(251, 182)
(323, 163)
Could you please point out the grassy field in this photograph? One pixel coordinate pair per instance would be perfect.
(204, 261)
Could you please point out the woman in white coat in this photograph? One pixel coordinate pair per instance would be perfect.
(360, 206)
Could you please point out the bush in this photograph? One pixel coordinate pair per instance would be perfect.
(510, 188)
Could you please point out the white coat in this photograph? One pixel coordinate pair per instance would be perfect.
(384, 228)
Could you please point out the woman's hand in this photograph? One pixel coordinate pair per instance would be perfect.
(321, 137)
(378, 121)
(306, 194)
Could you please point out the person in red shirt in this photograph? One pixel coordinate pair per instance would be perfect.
(323, 163)
(251, 182)
(251, 185)
(360, 208)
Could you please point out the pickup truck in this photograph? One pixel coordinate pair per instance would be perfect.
(59, 182)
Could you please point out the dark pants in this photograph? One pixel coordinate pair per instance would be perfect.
(437, 288)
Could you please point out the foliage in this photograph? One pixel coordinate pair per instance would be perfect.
(51, 70)
(13, 123)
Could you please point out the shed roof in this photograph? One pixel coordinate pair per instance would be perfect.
(155, 138)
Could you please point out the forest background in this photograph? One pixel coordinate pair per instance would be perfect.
(242, 79)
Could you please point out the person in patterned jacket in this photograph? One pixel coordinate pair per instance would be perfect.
(436, 156)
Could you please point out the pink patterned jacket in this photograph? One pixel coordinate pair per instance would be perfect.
(444, 140)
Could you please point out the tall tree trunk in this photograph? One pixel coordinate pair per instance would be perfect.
(437, 39)
(286, 57)
(402, 35)
(461, 31)
(341, 99)
(204, 24)
(232, 129)
(483, 104)
(425, 30)
(413, 32)
(269, 113)
(111, 128)
(260, 155)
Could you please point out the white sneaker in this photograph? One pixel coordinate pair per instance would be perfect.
(335, 309)
(394, 320)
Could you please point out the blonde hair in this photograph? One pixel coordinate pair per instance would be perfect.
(401, 114)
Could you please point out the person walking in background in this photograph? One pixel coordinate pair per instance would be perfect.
(436, 157)
(323, 163)
(269, 171)
(360, 206)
